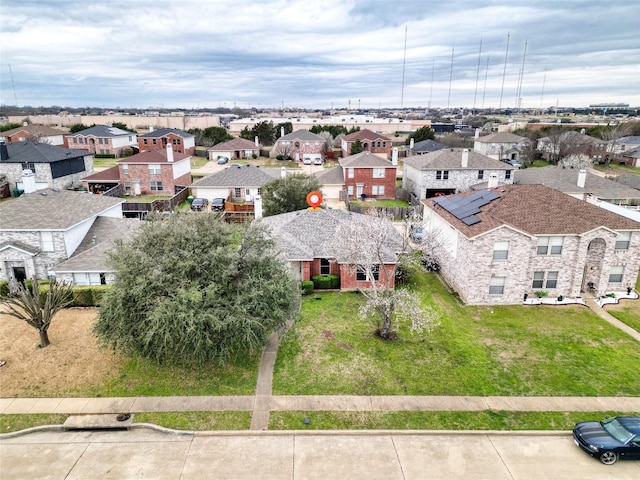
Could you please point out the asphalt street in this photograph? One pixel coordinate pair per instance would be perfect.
(149, 454)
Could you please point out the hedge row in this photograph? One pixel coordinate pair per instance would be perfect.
(326, 282)
(82, 296)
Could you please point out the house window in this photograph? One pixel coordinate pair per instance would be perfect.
(377, 190)
(144, 141)
(127, 187)
(46, 241)
(501, 250)
(100, 141)
(552, 279)
(29, 166)
(237, 192)
(325, 266)
(623, 240)
(550, 245)
(350, 190)
(125, 169)
(156, 186)
(480, 174)
(496, 287)
(349, 172)
(442, 174)
(538, 279)
(361, 273)
(507, 174)
(155, 169)
(378, 172)
(616, 273)
(87, 279)
(154, 141)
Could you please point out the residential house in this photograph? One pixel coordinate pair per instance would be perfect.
(32, 166)
(181, 142)
(299, 145)
(371, 142)
(630, 180)
(425, 146)
(234, 149)
(500, 146)
(451, 170)
(34, 133)
(561, 145)
(499, 245)
(238, 185)
(307, 239)
(40, 230)
(366, 175)
(625, 150)
(104, 140)
(581, 184)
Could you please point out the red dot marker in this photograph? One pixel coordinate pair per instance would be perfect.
(314, 199)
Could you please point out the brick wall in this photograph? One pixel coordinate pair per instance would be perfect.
(365, 176)
(380, 146)
(348, 277)
(176, 141)
(140, 172)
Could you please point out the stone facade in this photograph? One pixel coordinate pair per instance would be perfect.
(43, 176)
(37, 263)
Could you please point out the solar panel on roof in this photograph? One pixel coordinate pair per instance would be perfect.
(464, 208)
(470, 220)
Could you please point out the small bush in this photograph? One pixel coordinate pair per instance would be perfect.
(334, 281)
(541, 294)
(321, 282)
(82, 297)
(104, 155)
(254, 156)
(4, 288)
(307, 287)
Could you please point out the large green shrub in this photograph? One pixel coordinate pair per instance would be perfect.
(307, 287)
(326, 282)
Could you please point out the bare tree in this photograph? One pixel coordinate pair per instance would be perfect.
(612, 137)
(284, 150)
(431, 245)
(36, 309)
(371, 246)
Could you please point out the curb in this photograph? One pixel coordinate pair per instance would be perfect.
(61, 428)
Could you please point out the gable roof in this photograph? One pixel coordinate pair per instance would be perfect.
(102, 131)
(33, 130)
(161, 132)
(630, 179)
(365, 160)
(631, 140)
(158, 155)
(451, 159)
(35, 152)
(90, 256)
(302, 135)
(309, 234)
(52, 209)
(566, 180)
(365, 134)
(110, 175)
(519, 206)
(501, 137)
(330, 176)
(427, 146)
(573, 137)
(234, 144)
(245, 176)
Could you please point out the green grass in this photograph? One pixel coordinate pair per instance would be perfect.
(197, 421)
(540, 163)
(628, 315)
(144, 378)
(197, 162)
(105, 162)
(484, 420)
(500, 350)
(14, 423)
(616, 169)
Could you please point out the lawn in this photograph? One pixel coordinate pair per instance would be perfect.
(509, 350)
(627, 311)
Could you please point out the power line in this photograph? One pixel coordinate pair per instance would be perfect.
(404, 60)
(453, 49)
(504, 72)
(477, 77)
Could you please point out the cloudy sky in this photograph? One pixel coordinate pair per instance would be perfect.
(319, 53)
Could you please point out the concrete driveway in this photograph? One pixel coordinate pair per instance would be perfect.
(149, 454)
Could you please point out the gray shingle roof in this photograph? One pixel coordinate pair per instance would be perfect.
(632, 140)
(102, 131)
(33, 130)
(51, 209)
(365, 160)
(426, 146)
(365, 134)
(309, 234)
(90, 256)
(629, 179)
(519, 206)
(501, 137)
(234, 144)
(331, 176)
(566, 180)
(33, 152)
(244, 176)
(302, 135)
(451, 159)
(161, 132)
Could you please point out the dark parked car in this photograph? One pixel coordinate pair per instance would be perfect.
(217, 204)
(610, 439)
(222, 160)
(199, 204)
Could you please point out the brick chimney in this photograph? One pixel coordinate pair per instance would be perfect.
(169, 153)
(465, 158)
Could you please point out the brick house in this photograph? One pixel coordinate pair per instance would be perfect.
(307, 239)
(41, 230)
(103, 139)
(496, 245)
(500, 146)
(371, 142)
(451, 170)
(50, 166)
(301, 144)
(234, 149)
(34, 133)
(571, 143)
(152, 172)
(367, 174)
(181, 142)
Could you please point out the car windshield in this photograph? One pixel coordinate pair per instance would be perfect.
(617, 431)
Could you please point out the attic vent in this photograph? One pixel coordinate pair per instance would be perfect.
(44, 194)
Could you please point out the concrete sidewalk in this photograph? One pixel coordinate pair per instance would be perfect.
(335, 403)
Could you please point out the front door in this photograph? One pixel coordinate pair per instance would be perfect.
(359, 190)
(19, 274)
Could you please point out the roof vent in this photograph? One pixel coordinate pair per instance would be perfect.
(44, 194)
